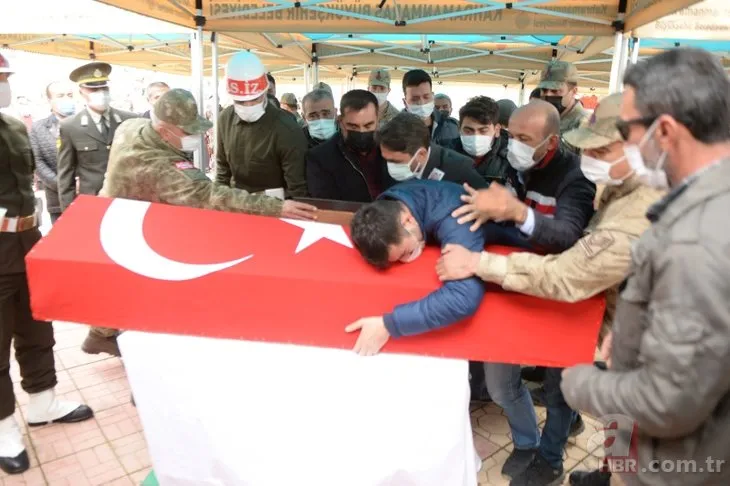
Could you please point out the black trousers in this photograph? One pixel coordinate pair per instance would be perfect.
(33, 343)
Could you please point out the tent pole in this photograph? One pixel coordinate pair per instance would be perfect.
(635, 50)
(196, 60)
(521, 101)
(624, 62)
(615, 63)
(315, 65)
(307, 78)
(216, 100)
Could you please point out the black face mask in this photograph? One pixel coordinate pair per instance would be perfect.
(360, 142)
(444, 113)
(556, 101)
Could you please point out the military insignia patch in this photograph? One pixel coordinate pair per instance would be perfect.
(184, 165)
(595, 243)
(97, 73)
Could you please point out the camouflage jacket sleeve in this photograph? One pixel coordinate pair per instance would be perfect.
(188, 186)
(597, 262)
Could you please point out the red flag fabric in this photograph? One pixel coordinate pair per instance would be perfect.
(159, 268)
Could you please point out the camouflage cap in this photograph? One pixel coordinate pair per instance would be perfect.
(600, 129)
(289, 99)
(323, 86)
(556, 73)
(379, 77)
(178, 107)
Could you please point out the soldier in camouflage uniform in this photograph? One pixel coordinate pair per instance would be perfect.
(149, 161)
(559, 87)
(599, 261)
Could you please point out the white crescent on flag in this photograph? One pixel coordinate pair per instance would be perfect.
(122, 238)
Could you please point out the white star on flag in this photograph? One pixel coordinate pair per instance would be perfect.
(313, 232)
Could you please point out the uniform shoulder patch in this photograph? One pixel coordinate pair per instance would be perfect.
(594, 243)
(184, 165)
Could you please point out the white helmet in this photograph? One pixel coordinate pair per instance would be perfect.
(5, 66)
(246, 77)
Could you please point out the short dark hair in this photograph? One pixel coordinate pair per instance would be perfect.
(357, 100)
(406, 133)
(481, 108)
(416, 77)
(688, 84)
(536, 93)
(375, 228)
(271, 78)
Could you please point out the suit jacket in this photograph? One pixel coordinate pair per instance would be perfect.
(84, 153)
(44, 142)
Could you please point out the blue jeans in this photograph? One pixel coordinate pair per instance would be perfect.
(507, 390)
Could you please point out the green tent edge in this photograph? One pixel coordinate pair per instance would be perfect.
(150, 480)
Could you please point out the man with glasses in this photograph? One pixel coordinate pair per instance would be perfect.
(670, 350)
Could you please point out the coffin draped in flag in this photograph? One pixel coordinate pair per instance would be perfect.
(158, 268)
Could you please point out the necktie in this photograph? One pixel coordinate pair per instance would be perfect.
(104, 129)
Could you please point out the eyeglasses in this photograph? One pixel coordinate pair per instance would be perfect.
(624, 126)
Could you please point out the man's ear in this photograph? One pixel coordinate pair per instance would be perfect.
(554, 142)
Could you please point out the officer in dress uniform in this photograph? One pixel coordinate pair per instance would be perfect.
(33, 339)
(86, 140)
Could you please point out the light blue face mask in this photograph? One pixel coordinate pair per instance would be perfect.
(66, 107)
(322, 129)
(402, 172)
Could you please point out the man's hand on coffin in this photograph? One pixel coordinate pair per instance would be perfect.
(298, 210)
(373, 335)
(457, 263)
(495, 203)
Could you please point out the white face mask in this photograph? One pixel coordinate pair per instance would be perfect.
(190, 143)
(251, 113)
(99, 99)
(521, 156)
(424, 111)
(6, 95)
(402, 172)
(599, 171)
(477, 145)
(322, 129)
(654, 176)
(382, 98)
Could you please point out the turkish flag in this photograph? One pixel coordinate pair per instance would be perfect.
(159, 268)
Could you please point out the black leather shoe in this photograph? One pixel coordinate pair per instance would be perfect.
(81, 413)
(590, 478)
(15, 465)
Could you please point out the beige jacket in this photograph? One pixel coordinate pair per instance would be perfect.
(598, 262)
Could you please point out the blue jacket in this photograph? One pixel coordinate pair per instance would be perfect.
(431, 203)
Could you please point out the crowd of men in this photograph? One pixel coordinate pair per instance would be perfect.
(630, 202)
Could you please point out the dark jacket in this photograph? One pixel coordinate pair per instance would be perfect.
(44, 140)
(16, 193)
(431, 204)
(444, 129)
(84, 153)
(333, 172)
(455, 167)
(266, 154)
(493, 166)
(562, 201)
(311, 142)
